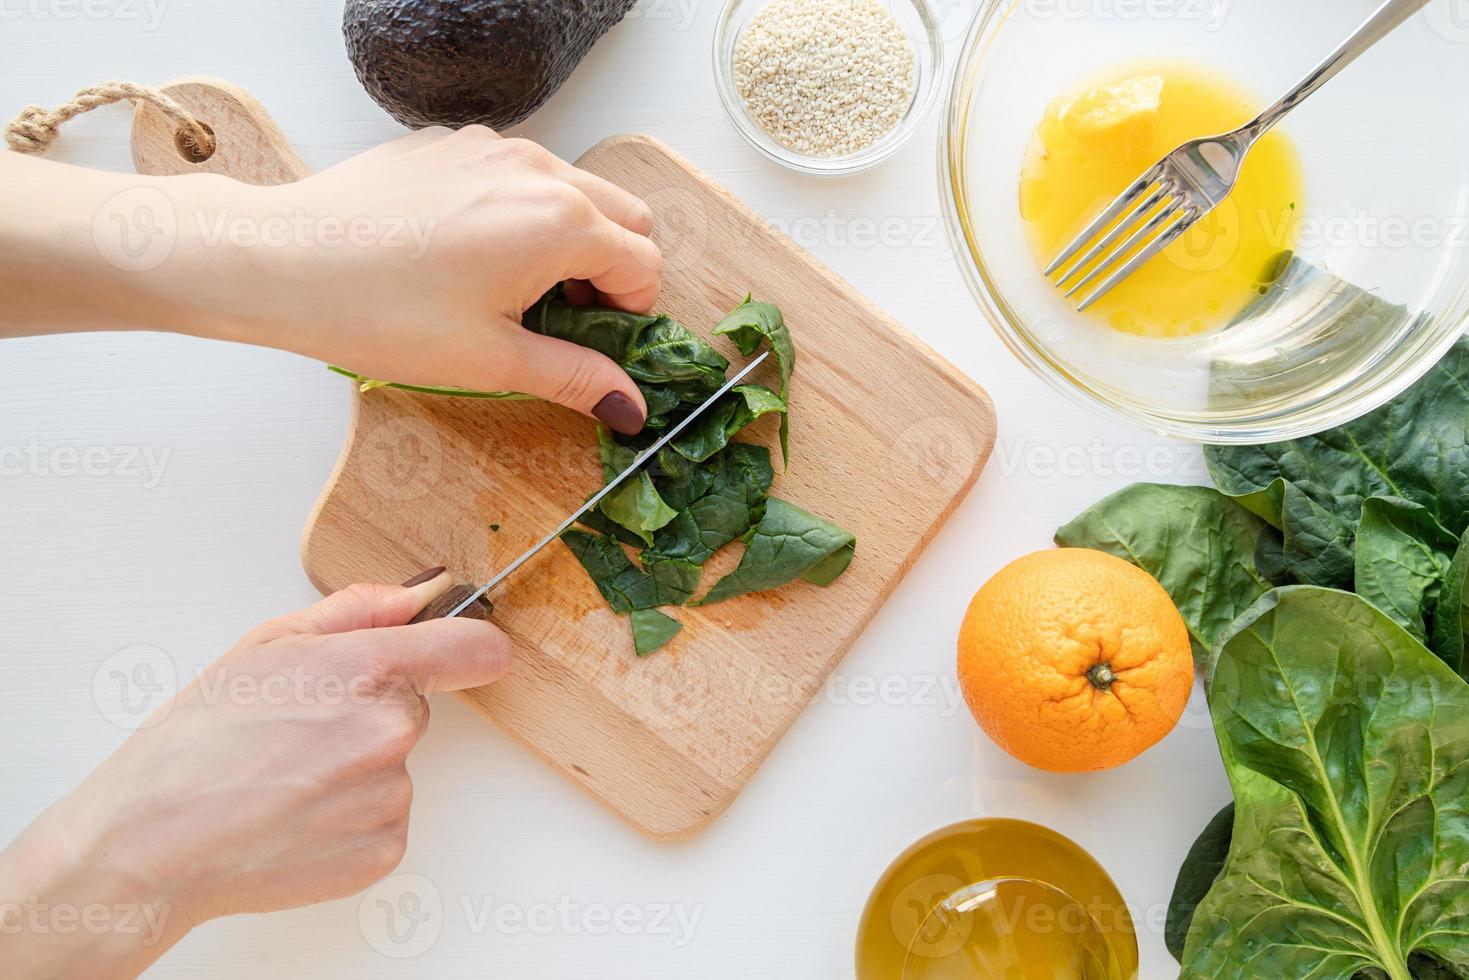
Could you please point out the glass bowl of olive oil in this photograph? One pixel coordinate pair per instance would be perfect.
(996, 898)
(1334, 276)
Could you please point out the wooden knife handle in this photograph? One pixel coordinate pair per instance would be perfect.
(446, 603)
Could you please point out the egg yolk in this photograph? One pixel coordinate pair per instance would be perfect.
(1092, 144)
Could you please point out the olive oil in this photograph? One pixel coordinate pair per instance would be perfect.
(996, 898)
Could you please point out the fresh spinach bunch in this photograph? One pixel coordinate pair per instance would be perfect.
(1346, 744)
(702, 491)
(1379, 506)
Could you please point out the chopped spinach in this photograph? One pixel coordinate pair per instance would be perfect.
(702, 491)
(626, 586)
(613, 333)
(680, 480)
(673, 366)
(747, 325)
(602, 524)
(734, 502)
(651, 629)
(713, 430)
(635, 505)
(623, 585)
(671, 358)
(788, 544)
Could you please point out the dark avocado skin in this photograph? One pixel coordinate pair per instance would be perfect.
(456, 62)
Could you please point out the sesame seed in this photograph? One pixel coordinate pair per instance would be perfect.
(825, 77)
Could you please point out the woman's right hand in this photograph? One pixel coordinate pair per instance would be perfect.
(276, 779)
(410, 262)
(457, 234)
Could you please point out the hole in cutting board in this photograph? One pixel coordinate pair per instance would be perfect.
(192, 151)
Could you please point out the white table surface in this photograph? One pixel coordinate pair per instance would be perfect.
(186, 555)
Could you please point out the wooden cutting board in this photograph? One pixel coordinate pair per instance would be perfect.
(886, 439)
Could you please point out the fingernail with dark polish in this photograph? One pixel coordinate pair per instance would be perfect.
(427, 575)
(619, 412)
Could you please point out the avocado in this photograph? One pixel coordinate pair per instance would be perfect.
(456, 62)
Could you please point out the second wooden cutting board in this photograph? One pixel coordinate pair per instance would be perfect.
(886, 439)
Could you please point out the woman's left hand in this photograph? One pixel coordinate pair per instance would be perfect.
(276, 779)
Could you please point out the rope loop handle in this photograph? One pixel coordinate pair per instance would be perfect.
(35, 129)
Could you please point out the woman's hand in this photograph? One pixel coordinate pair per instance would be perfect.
(276, 779)
(412, 262)
(459, 233)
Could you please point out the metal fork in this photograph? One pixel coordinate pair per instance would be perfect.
(1194, 179)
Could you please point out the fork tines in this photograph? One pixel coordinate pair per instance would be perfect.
(1151, 213)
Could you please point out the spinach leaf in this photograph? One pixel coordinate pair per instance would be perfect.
(713, 430)
(636, 504)
(603, 524)
(787, 544)
(674, 582)
(747, 325)
(1451, 613)
(1420, 967)
(661, 403)
(672, 365)
(1196, 876)
(366, 384)
(1347, 745)
(613, 333)
(669, 355)
(740, 480)
(1424, 967)
(681, 481)
(651, 629)
(1416, 447)
(1316, 543)
(621, 583)
(625, 586)
(1213, 556)
(1402, 557)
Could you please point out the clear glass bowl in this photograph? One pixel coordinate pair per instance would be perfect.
(1379, 288)
(923, 27)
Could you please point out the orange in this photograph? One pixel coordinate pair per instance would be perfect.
(1074, 660)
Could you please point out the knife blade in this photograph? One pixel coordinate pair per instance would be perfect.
(611, 485)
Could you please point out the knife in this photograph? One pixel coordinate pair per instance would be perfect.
(465, 600)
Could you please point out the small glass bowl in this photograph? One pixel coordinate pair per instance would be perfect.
(918, 21)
